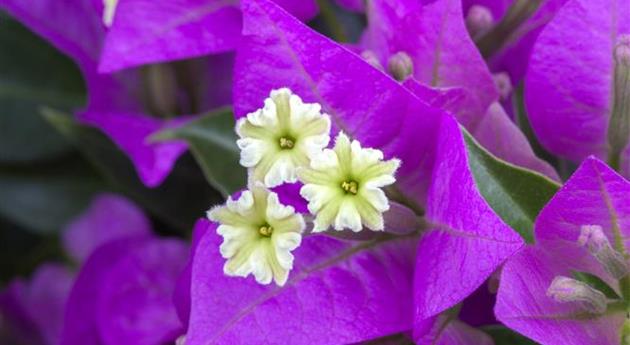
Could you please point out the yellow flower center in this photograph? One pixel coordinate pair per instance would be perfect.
(350, 186)
(286, 143)
(265, 230)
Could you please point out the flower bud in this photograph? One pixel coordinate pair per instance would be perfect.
(479, 20)
(619, 124)
(593, 238)
(504, 84)
(563, 289)
(371, 58)
(400, 66)
(160, 83)
(402, 220)
(622, 50)
(181, 340)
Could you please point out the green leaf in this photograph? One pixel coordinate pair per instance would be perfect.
(505, 336)
(596, 283)
(33, 74)
(394, 339)
(516, 194)
(43, 198)
(564, 167)
(212, 141)
(179, 201)
(338, 23)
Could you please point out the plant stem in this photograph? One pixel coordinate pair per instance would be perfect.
(614, 160)
(498, 36)
(394, 193)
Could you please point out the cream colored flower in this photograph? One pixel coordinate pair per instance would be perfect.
(258, 234)
(281, 137)
(343, 186)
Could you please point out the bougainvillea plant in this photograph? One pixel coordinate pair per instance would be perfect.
(195, 172)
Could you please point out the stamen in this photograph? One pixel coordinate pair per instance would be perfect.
(351, 187)
(265, 230)
(286, 143)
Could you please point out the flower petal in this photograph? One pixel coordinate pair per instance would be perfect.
(322, 302)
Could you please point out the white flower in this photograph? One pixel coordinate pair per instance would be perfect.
(259, 234)
(109, 10)
(343, 186)
(281, 137)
